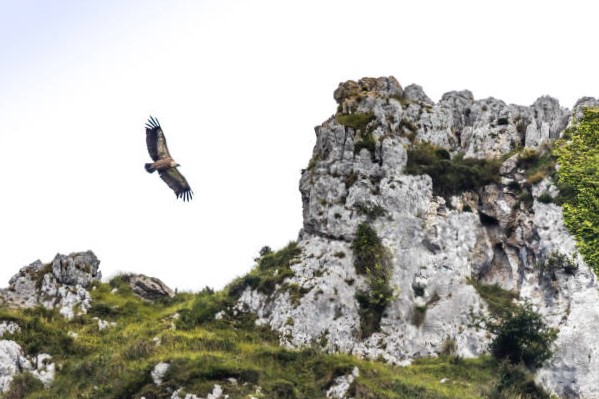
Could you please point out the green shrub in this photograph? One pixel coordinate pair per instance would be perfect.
(521, 337)
(451, 176)
(357, 120)
(545, 198)
(372, 259)
(577, 181)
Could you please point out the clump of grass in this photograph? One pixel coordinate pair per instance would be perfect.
(500, 301)
(357, 120)
(270, 272)
(537, 164)
(451, 176)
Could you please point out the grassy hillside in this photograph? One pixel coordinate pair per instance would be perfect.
(244, 359)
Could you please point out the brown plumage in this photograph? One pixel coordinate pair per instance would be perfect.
(163, 162)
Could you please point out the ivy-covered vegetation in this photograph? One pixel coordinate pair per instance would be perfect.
(578, 182)
(372, 260)
(451, 176)
(116, 362)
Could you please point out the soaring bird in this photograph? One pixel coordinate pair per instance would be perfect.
(163, 162)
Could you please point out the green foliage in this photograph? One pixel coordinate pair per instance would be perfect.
(270, 272)
(516, 381)
(23, 385)
(372, 259)
(537, 164)
(451, 176)
(578, 182)
(116, 362)
(356, 120)
(521, 337)
(367, 141)
(545, 198)
(370, 211)
(40, 334)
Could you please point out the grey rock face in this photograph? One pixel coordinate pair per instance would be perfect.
(438, 245)
(150, 288)
(60, 284)
(14, 361)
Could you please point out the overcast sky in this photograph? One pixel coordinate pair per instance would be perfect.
(238, 87)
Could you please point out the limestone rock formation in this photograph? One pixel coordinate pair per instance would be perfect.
(439, 245)
(60, 284)
(150, 288)
(13, 360)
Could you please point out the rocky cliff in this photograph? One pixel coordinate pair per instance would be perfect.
(443, 240)
(419, 218)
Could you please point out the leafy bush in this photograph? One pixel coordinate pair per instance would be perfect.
(577, 181)
(521, 337)
(451, 176)
(371, 258)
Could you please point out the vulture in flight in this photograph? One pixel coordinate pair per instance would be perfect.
(163, 162)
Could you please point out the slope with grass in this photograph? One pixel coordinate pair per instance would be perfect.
(202, 352)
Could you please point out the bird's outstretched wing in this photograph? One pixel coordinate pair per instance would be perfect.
(176, 181)
(155, 140)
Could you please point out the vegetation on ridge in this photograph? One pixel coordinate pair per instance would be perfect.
(116, 362)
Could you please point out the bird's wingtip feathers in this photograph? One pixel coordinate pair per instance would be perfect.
(152, 123)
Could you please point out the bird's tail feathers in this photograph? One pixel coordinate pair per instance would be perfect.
(150, 168)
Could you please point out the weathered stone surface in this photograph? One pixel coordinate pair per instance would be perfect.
(436, 246)
(14, 361)
(342, 384)
(150, 288)
(61, 284)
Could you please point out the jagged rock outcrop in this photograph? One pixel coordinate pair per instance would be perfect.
(495, 234)
(60, 284)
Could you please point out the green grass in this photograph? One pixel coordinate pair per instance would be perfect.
(356, 120)
(116, 362)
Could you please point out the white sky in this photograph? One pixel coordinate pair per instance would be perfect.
(238, 87)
